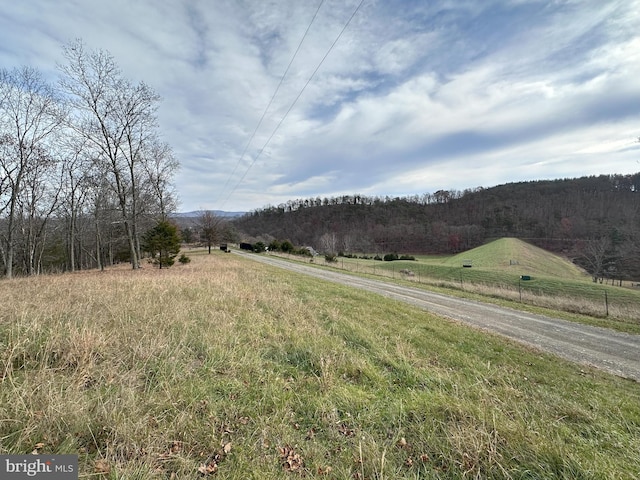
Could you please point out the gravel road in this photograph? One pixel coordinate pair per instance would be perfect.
(614, 352)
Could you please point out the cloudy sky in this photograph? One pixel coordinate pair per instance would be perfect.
(411, 97)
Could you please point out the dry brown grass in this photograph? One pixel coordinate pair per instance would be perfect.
(225, 367)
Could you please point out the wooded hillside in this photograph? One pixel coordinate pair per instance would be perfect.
(594, 220)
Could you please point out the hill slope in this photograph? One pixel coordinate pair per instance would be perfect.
(516, 256)
(594, 220)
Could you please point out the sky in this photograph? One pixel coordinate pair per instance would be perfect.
(380, 97)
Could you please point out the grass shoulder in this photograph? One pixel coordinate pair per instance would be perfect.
(489, 287)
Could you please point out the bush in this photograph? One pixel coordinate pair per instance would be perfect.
(184, 259)
(275, 246)
(330, 257)
(259, 247)
(390, 257)
(287, 247)
(377, 257)
(407, 257)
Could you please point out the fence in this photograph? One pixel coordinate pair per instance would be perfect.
(584, 297)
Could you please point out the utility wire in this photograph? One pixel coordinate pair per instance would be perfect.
(296, 100)
(271, 100)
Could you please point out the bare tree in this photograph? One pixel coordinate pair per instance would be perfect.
(595, 256)
(30, 114)
(118, 118)
(328, 243)
(38, 200)
(209, 225)
(78, 177)
(160, 165)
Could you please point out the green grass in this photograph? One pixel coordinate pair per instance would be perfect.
(229, 365)
(555, 283)
(516, 257)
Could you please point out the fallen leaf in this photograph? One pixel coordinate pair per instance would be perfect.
(36, 449)
(346, 431)
(227, 448)
(102, 466)
(291, 460)
(208, 468)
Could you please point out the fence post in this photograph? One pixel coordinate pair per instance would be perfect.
(606, 303)
(520, 288)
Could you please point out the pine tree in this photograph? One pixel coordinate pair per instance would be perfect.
(162, 242)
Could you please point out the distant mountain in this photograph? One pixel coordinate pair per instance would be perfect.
(218, 213)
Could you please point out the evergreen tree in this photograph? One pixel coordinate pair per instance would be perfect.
(162, 242)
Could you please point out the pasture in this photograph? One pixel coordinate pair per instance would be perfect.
(227, 368)
(496, 269)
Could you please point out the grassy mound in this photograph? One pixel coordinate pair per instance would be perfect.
(514, 255)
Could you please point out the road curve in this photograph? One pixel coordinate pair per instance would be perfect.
(614, 352)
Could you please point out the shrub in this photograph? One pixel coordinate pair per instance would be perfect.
(407, 257)
(275, 246)
(259, 247)
(330, 257)
(184, 259)
(287, 247)
(390, 257)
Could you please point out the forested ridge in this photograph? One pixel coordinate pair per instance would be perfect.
(594, 220)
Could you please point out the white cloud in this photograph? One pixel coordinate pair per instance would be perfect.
(416, 96)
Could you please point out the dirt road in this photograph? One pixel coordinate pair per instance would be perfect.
(615, 352)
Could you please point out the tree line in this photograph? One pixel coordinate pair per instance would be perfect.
(594, 220)
(83, 169)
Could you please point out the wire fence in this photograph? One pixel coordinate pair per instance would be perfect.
(619, 302)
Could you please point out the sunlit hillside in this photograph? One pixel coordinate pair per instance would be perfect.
(516, 256)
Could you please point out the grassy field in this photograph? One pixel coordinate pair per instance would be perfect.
(496, 272)
(227, 368)
(513, 256)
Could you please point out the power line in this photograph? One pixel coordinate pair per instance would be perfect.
(295, 100)
(271, 100)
